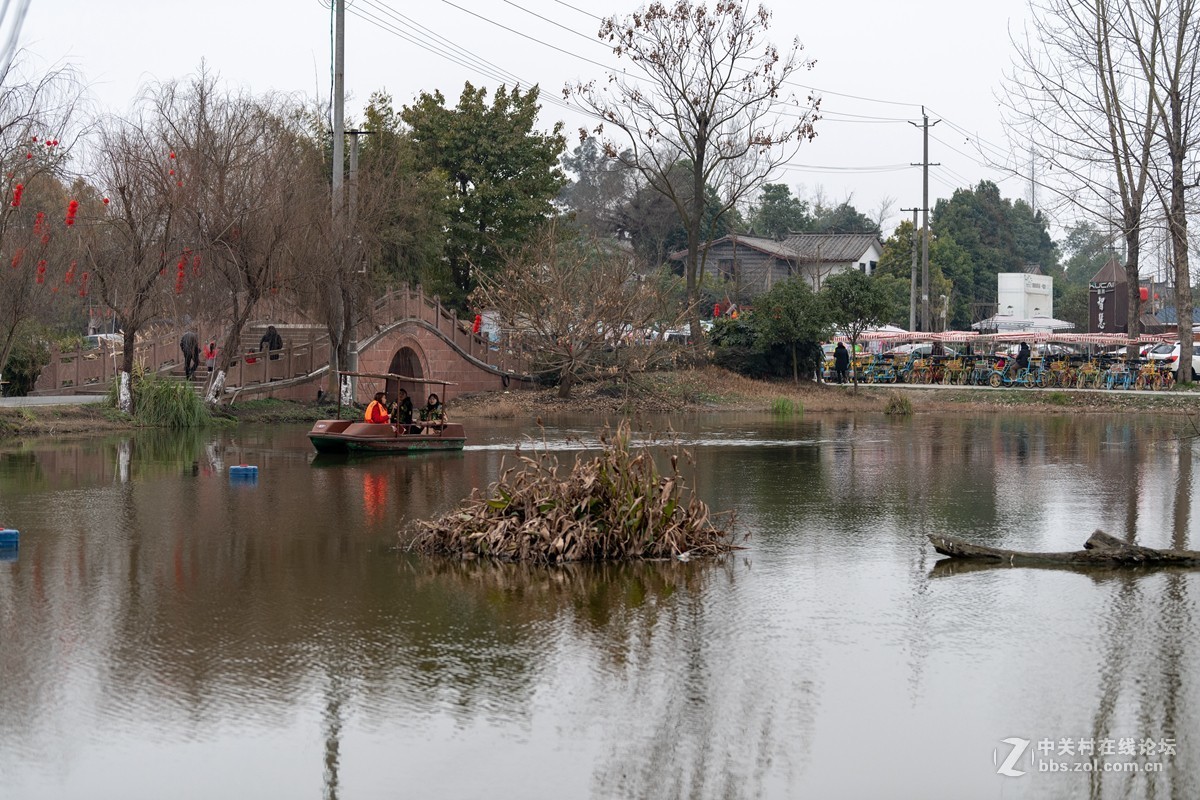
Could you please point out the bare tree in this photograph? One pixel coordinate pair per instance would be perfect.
(37, 120)
(1079, 96)
(341, 259)
(573, 300)
(1166, 41)
(132, 235)
(712, 98)
(247, 167)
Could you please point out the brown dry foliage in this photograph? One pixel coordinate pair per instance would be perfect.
(615, 506)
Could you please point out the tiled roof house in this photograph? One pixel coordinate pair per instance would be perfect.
(754, 264)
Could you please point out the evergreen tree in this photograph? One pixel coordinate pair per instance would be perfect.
(500, 174)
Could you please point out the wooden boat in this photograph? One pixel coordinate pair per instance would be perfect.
(357, 436)
(348, 436)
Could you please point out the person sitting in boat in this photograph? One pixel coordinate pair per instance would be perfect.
(402, 413)
(377, 411)
(433, 413)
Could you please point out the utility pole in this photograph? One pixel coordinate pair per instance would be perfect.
(912, 289)
(345, 388)
(925, 165)
(339, 103)
(351, 220)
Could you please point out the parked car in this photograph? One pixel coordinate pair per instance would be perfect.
(1169, 353)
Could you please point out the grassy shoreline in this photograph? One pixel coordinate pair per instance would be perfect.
(686, 391)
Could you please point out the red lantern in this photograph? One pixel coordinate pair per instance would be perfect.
(17, 256)
(172, 154)
(18, 190)
(45, 239)
(105, 201)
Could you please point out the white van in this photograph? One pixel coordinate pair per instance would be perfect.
(111, 340)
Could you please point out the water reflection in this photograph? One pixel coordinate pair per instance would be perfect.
(160, 619)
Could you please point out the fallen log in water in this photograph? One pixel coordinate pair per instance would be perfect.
(1100, 549)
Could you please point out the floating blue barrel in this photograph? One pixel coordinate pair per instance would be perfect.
(9, 537)
(243, 473)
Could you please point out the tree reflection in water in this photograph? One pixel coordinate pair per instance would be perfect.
(171, 606)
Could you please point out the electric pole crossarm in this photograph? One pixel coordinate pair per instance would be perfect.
(925, 125)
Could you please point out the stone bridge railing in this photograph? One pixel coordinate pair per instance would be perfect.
(412, 304)
(305, 352)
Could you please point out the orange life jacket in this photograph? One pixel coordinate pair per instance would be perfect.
(376, 412)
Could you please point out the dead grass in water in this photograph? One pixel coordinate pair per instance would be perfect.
(615, 506)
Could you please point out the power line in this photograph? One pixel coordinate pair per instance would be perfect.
(526, 36)
(451, 52)
(810, 89)
(865, 170)
(391, 21)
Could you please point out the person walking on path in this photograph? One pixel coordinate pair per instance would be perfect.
(210, 357)
(189, 343)
(270, 342)
(841, 362)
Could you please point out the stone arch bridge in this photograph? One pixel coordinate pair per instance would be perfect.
(407, 333)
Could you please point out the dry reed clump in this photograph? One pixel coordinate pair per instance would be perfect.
(615, 506)
(898, 405)
(500, 408)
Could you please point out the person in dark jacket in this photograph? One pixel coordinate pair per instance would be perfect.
(1023, 356)
(189, 343)
(841, 362)
(271, 341)
(402, 413)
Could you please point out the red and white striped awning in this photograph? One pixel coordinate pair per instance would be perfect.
(1033, 337)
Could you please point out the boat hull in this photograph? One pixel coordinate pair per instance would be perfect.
(347, 436)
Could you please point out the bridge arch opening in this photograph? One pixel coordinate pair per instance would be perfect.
(407, 361)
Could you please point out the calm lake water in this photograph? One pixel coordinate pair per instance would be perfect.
(168, 632)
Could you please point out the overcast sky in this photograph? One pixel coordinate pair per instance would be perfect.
(878, 62)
